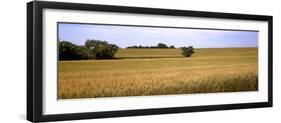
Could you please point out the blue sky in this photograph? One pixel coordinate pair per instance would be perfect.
(125, 36)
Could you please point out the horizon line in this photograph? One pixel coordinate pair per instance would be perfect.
(156, 45)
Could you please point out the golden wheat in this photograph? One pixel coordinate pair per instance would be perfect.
(208, 71)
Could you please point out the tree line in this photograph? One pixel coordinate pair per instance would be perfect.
(92, 49)
(97, 49)
(159, 45)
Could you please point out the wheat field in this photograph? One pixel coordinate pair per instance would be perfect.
(142, 72)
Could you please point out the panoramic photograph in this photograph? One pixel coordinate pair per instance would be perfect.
(102, 60)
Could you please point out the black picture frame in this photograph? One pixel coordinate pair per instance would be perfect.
(34, 60)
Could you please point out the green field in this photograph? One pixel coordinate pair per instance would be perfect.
(138, 72)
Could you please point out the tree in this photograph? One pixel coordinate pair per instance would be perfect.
(172, 46)
(101, 49)
(187, 51)
(84, 52)
(162, 45)
(132, 47)
(70, 51)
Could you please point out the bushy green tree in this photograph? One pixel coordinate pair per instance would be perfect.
(162, 45)
(172, 46)
(70, 51)
(187, 51)
(101, 49)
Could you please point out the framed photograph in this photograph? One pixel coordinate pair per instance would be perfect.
(89, 61)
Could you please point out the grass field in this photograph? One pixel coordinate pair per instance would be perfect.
(139, 72)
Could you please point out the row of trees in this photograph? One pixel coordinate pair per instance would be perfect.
(97, 49)
(159, 45)
(93, 49)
